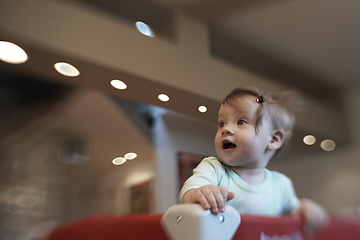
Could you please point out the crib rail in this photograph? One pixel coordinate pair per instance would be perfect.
(148, 226)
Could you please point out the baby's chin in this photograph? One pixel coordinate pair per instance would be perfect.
(226, 162)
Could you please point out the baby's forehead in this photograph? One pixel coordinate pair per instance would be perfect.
(242, 104)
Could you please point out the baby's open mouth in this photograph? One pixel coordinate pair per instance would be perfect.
(226, 144)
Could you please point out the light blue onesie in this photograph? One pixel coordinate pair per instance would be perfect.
(274, 196)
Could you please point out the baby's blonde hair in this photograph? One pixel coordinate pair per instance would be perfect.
(278, 108)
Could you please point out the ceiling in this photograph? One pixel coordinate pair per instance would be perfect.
(306, 45)
(318, 38)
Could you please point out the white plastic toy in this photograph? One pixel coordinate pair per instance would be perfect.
(192, 222)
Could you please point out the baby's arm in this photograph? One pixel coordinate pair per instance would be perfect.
(314, 216)
(210, 197)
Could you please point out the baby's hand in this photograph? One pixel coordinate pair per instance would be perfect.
(210, 197)
(315, 216)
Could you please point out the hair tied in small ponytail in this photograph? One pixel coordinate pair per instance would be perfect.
(260, 99)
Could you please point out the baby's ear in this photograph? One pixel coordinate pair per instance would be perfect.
(277, 137)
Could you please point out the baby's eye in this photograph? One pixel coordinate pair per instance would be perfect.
(221, 124)
(241, 122)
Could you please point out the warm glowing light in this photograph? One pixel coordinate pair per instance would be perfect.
(130, 156)
(66, 69)
(163, 97)
(118, 84)
(119, 161)
(309, 139)
(202, 109)
(328, 145)
(12, 53)
(144, 29)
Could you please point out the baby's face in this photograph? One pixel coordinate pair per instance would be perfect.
(236, 141)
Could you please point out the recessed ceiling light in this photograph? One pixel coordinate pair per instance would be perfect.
(328, 145)
(118, 84)
(202, 109)
(309, 139)
(119, 161)
(163, 97)
(12, 53)
(130, 156)
(66, 69)
(144, 29)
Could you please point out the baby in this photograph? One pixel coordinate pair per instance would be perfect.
(253, 126)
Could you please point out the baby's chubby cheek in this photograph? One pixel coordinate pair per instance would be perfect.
(217, 144)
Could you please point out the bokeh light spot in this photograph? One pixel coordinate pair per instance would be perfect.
(118, 84)
(163, 97)
(66, 69)
(144, 29)
(12, 53)
(328, 145)
(309, 139)
(130, 156)
(119, 161)
(202, 109)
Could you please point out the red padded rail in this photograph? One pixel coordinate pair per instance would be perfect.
(147, 227)
(137, 226)
(290, 228)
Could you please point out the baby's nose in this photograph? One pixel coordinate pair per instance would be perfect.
(227, 130)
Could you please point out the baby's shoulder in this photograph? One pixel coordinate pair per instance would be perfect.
(212, 162)
(211, 159)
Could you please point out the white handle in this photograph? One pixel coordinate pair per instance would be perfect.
(192, 222)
